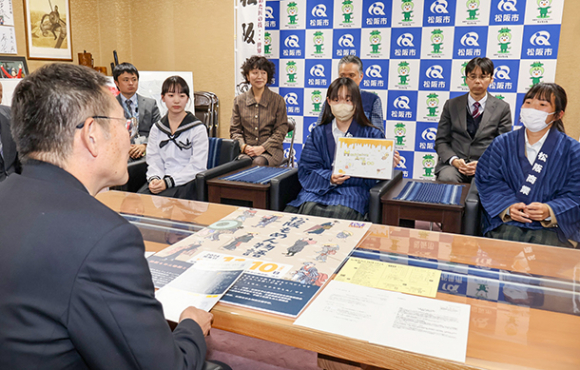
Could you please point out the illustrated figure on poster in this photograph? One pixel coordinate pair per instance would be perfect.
(291, 71)
(299, 246)
(327, 249)
(400, 132)
(319, 229)
(437, 40)
(404, 72)
(292, 12)
(504, 38)
(463, 75)
(407, 7)
(318, 42)
(308, 274)
(432, 104)
(375, 41)
(238, 241)
(472, 8)
(187, 249)
(347, 9)
(267, 220)
(543, 7)
(222, 227)
(267, 43)
(537, 72)
(248, 213)
(316, 100)
(343, 234)
(428, 165)
(481, 291)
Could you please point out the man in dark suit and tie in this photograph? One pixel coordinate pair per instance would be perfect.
(8, 158)
(143, 109)
(469, 123)
(76, 289)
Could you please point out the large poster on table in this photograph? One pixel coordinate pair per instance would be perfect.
(414, 54)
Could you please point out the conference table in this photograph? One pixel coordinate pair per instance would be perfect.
(524, 298)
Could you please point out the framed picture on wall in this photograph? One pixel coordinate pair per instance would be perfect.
(48, 32)
(13, 67)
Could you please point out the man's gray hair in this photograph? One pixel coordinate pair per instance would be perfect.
(352, 59)
(48, 104)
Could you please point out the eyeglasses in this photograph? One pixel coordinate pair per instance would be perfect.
(482, 78)
(129, 122)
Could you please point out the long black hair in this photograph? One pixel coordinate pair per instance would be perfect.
(545, 91)
(354, 92)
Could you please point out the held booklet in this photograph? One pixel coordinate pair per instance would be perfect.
(367, 158)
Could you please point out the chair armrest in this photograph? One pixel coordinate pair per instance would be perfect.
(283, 189)
(202, 177)
(376, 192)
(472, 214)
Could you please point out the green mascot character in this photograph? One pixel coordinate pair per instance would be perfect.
(432, 104)
(375, 41)
(504, 38)
(316, 100)
(404, 71)
(437, 40)
(537, 72)
(500, 97)
(347, 9)
(400, 132)
(463, 76)
(318, 42)
(407, 7)
(267, 43)
(291, 71)
(428, 165)
(544, 7)
(292, 12)
(472, 8)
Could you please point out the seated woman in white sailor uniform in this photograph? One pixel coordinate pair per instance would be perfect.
(529, 179)
(178, 146)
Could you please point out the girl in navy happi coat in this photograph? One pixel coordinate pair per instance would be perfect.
(529, 179)
(325, 194)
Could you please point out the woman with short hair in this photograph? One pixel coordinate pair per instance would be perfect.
(259, 122)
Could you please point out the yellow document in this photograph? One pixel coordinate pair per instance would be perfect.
(390, 276)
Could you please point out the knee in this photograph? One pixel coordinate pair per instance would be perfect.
(449, 174)
(260, 161)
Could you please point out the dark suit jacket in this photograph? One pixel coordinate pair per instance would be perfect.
(148, 113)
(11, 163)
(76, 291)
(452, 137)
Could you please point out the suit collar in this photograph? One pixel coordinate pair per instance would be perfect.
(490, 106)
(45, 171)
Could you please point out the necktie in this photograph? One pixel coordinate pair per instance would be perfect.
(130, 108)
(476, 112)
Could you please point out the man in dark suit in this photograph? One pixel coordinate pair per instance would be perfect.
(8, 158)
(143, 109)
(469, 123)
(76, 289)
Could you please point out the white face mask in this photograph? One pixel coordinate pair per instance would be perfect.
(534, 120)
(342, 111)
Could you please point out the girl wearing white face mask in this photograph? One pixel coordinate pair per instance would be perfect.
(529, 179)
(324, 194)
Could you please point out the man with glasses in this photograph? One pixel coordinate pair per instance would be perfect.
(76, 289)
(469, 123)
